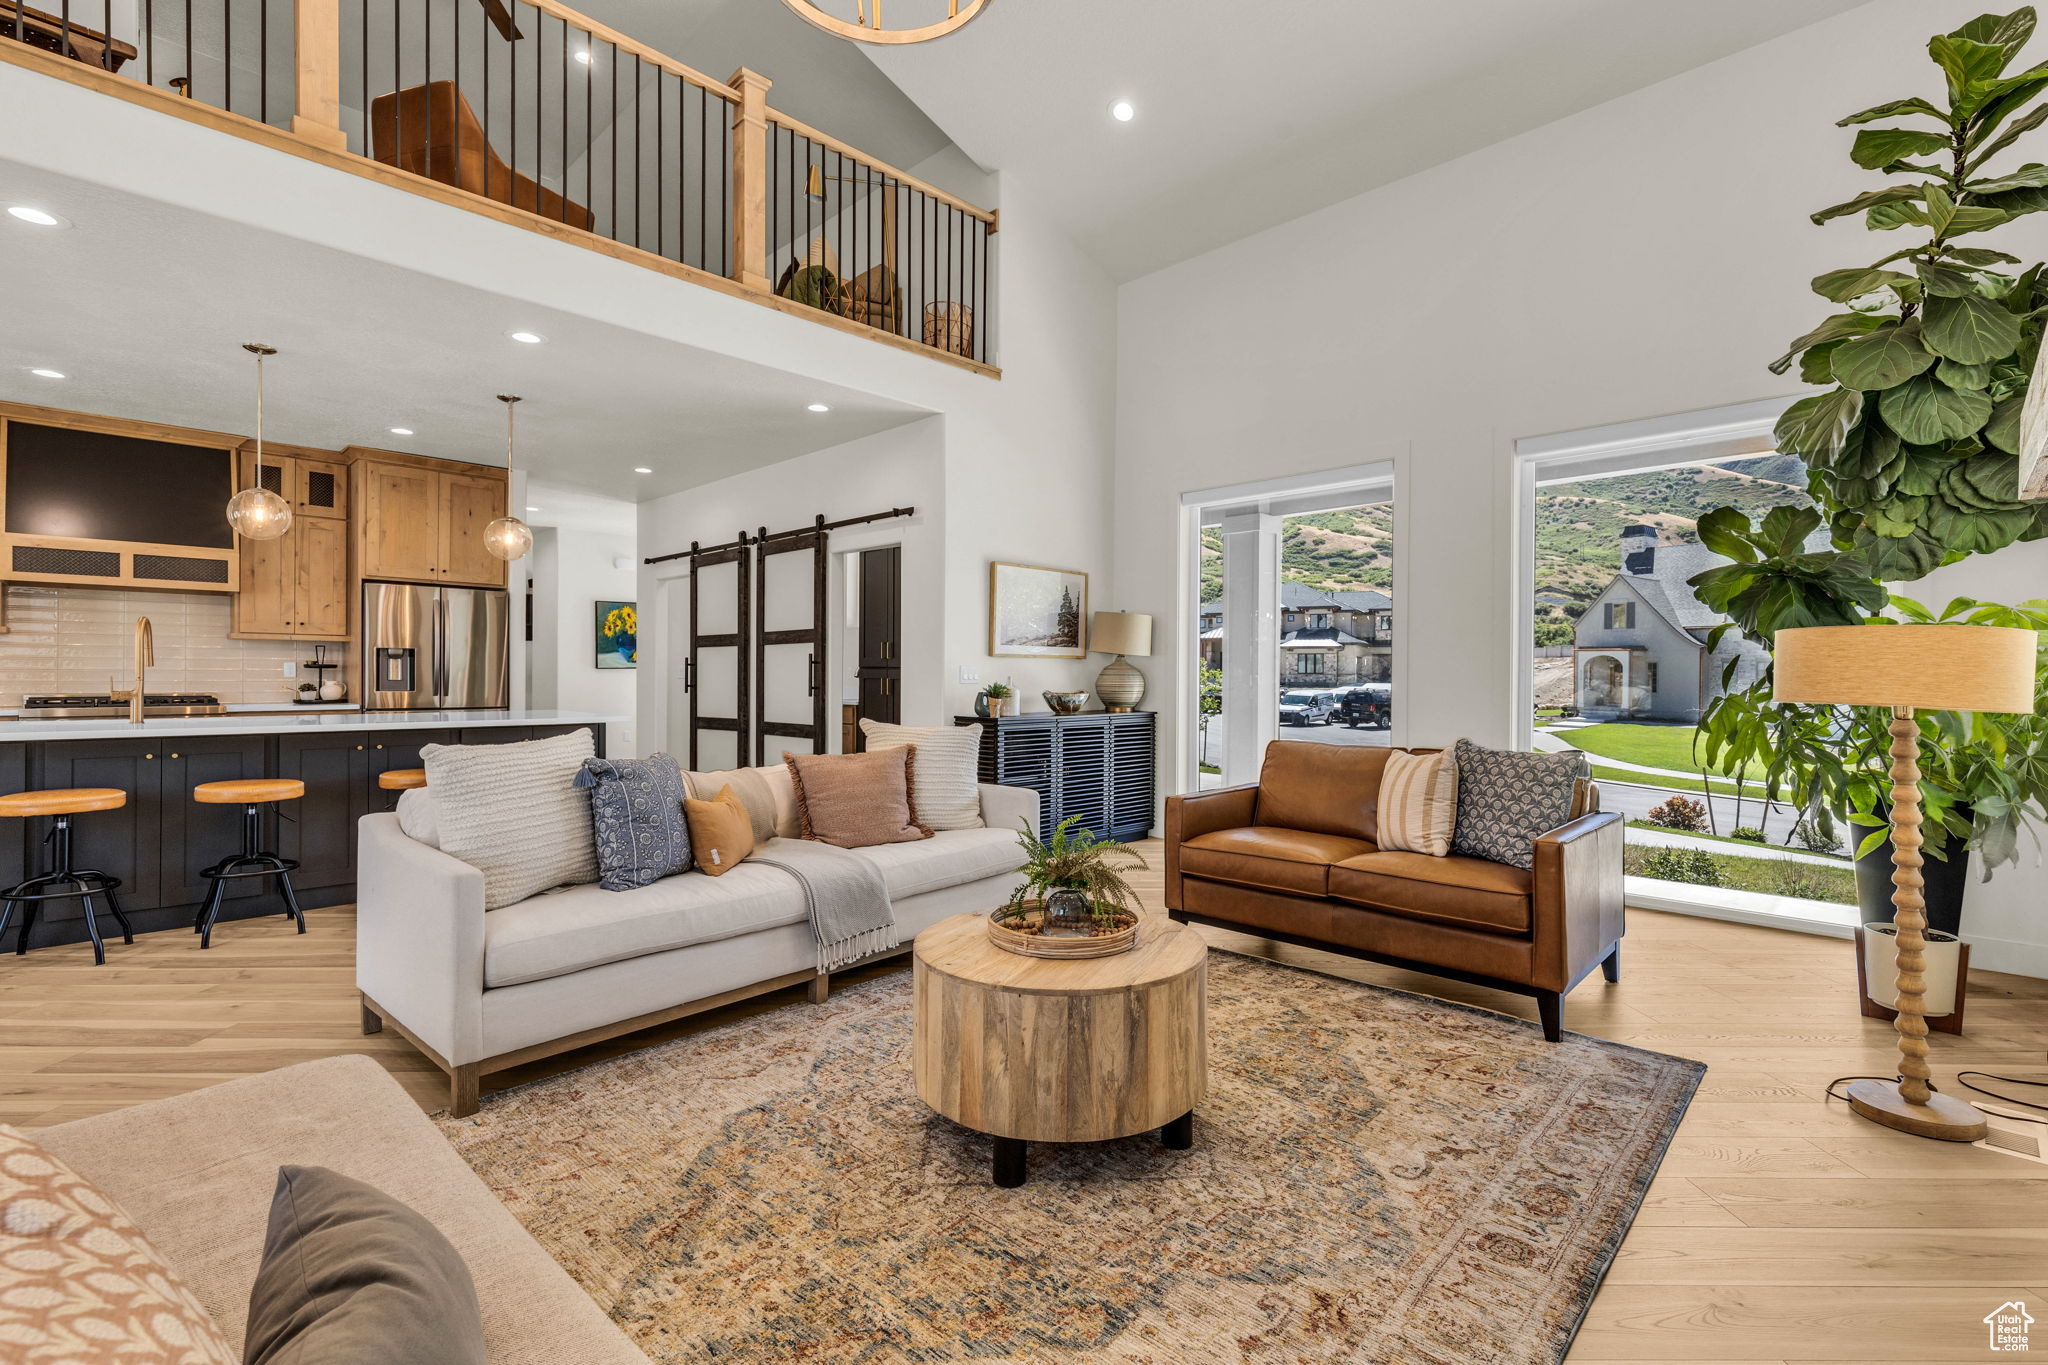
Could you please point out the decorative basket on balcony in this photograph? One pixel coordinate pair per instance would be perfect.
(949, 327)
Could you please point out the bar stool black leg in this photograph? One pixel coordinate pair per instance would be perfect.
(92, 927)
(210, 912)
(291, 899)
(106, 888)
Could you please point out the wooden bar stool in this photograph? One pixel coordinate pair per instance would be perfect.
(251, 794)
(85, 883)
(398, 781)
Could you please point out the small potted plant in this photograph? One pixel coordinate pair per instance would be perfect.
(307, 694)
(997, 699)
(1080, 879)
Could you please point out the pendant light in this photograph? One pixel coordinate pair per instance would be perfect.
(508, 537)
(256, 513)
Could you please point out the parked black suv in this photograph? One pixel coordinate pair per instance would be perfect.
(1367, 704)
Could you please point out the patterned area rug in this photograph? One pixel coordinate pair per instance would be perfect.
(1376, 1177)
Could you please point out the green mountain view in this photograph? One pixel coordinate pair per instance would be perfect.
(1578, 532)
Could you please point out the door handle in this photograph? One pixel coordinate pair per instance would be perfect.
(811, 676)
(689, 674)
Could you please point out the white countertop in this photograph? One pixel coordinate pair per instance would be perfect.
(300, 721)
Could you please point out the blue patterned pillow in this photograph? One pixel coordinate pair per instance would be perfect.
(636, 811)
(1507, 799)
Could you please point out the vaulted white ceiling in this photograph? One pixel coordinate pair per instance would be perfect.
(1253, 112)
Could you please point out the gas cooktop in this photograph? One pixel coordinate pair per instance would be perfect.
(155, 706)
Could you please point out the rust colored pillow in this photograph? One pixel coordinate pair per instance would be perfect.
(721, 832)
(79, 1283)
(857, 800)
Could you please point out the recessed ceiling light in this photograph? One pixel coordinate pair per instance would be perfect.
(48, 374)
(584, 57)
(820, 407)
(530, 338)
(1123, 111)
(640, 469)
(533, 509)
(40, 217)
(401, 431)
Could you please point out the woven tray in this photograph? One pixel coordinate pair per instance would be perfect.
(1026, 942)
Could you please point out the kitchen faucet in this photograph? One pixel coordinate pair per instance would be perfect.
(145, 657)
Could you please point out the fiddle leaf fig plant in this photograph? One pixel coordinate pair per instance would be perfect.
(1911, 448)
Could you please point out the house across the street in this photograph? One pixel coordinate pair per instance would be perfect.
(1640, 651)
(1327, 638)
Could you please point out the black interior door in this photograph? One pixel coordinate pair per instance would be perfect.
(717, 672)
(789, 640)
(880, 673)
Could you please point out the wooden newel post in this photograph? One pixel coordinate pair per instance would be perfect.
(316, 117)
(750, 179)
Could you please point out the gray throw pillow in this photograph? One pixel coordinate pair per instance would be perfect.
(1507, 799)
(350, 1275)
(515, 813)
(636, 812)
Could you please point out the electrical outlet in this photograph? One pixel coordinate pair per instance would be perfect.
(969, 674)
(291, 670)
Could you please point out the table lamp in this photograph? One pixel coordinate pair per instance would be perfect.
(1120, 685)
(1904, 667)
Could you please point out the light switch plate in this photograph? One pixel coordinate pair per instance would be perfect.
(968, 674)
(291, 670)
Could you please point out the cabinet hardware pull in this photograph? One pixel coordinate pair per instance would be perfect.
(359, 748)
(173, 755)
(149, 755)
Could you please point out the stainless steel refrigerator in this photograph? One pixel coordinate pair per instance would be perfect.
(436, 649)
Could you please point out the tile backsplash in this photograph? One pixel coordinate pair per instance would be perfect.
(71, 640)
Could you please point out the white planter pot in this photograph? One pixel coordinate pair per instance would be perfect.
(1881, 968)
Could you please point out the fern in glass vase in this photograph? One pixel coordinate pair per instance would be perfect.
(1080, 878)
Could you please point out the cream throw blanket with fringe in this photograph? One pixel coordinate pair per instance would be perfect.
(851, 917)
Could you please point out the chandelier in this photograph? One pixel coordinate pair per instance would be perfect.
(867, 27)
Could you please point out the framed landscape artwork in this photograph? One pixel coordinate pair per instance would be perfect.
(1036, 613)
(618, 635)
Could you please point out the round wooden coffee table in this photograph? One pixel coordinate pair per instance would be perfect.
(1030, 1050)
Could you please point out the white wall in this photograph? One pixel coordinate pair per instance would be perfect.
(1644, 257)
(574, 569)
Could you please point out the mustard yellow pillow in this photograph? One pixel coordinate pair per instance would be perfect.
(721, 832)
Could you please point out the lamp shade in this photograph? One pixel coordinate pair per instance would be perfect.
(1931, 667)
(1120, 632)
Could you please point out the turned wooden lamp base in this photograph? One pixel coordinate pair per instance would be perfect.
(1950, 1120)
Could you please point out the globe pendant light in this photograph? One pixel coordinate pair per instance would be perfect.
(256, 513)
(508, 538)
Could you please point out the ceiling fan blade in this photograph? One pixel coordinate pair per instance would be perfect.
(501, 19)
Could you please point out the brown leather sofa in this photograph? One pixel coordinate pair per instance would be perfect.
(1296, 858)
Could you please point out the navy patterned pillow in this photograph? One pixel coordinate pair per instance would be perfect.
(636, 811)
(1507, 799)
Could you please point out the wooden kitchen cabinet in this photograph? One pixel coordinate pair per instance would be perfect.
(468, 505)
(418, 524)
(296, 586)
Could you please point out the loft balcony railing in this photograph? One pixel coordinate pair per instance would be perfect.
(538, 115)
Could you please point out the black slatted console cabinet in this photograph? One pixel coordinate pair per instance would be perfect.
(159, 840)
(1098, 765)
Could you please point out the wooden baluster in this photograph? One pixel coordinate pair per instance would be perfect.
(316, 117)
(750, 179)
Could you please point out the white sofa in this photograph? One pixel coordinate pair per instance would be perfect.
(479, 993)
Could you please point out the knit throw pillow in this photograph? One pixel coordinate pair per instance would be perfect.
(515, 813)
(1507, 799)
(947, 769)
(636, 815)
(767, 793)
(1418, 803)
(858, 800)
(79, 1283)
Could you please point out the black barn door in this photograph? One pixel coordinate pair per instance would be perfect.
(718, 672)
(790, 672)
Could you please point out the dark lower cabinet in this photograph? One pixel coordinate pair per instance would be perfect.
(157, 842)
(1097, 766)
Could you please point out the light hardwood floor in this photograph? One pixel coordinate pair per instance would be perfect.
(1781, 1228)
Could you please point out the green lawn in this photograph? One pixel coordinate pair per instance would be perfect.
(1773, 876)
(1738, 843)
(1655, 746)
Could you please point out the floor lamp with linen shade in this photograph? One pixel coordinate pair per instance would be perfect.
(1908, 667)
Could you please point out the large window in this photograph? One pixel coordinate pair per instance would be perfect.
(1294, 623)
(1624, 663)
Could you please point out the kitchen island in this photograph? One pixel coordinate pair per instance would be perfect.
(161, 838)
